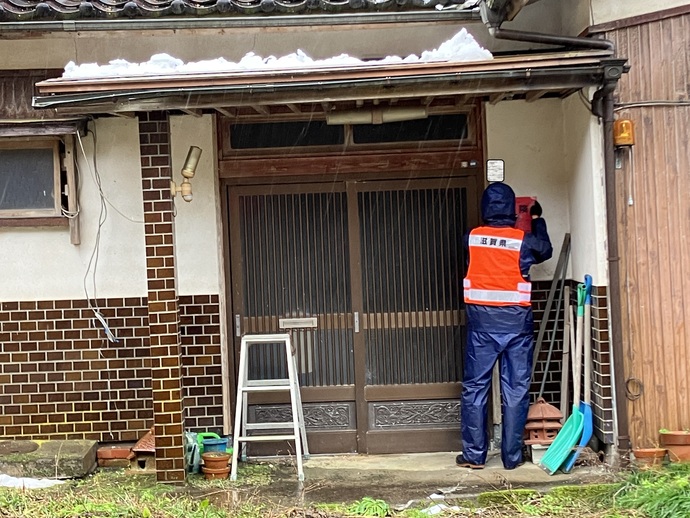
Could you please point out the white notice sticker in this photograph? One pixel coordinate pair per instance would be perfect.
(495, 170)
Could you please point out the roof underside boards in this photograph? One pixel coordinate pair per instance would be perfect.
(33, 10)
(299, 91)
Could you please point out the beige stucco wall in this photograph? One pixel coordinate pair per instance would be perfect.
(197, 235)
(41, 264)
(549, 153)
(583, 155)
(609, 10)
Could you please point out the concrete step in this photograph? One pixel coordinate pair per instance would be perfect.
(48, 459)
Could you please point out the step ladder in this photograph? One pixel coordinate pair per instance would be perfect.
(245, 386)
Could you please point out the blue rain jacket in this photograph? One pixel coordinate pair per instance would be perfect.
(503, 334)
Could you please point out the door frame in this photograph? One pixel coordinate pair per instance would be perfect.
(361, 393)
(389, 164)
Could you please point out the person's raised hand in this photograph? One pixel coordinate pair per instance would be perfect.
(535, 210)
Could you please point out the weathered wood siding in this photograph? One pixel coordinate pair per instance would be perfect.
(653, 192)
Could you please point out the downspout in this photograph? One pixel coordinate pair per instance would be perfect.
(602, 105)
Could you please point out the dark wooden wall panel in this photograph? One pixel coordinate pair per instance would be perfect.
(653, 214)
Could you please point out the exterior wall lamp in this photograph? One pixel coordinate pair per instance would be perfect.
(188, 171)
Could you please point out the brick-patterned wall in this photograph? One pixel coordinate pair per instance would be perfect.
(602, 391)
(60, 378)
(552, 390)
(602, 403)
(201, 368)
(164, 313)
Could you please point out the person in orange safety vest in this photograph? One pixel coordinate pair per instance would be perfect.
(500, 326)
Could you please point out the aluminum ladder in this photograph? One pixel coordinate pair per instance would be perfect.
(245, 386)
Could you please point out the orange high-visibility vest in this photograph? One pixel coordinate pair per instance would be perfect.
(494, 277)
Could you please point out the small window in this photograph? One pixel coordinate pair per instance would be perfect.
(433, 128)
(29, 178)
(285, 134)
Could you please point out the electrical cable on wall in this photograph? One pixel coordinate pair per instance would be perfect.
(92, 266)
(650, 104)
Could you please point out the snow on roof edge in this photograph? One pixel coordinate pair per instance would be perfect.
(460, 48)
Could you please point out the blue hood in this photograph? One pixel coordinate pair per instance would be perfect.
(498, 205)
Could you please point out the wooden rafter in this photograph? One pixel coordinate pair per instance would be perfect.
(195, 113)
(461, 100)
(263, 110)
(533, 96)
(496, 98)
(228, 112)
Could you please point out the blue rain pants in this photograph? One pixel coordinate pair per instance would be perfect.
(513, 349)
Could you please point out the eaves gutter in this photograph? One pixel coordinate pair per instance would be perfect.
(258, 93)
(243, 22)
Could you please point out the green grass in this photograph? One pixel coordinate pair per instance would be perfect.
(657, 493)
(662, 493)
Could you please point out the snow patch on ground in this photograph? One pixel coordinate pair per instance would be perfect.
(461, 47)
(27, 483)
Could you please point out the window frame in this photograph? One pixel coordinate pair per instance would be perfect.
(471, 113)
(55, 213)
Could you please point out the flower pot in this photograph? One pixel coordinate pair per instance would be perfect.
(678, 445)
(649, 456)
(216, 459)
(215, 474)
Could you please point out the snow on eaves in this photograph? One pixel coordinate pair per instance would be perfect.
(461, 47)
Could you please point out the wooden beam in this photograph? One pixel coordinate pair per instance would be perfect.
(124, 115)
(72, 191)
(496, 98)
(534, 95)
(228, 112)
(195, 113)
(294, 108)
(263, 110)
(461, 100)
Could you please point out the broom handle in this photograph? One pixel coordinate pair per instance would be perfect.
(588, 340)
(577, 382)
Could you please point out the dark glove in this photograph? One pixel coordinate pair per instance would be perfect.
(535, 210)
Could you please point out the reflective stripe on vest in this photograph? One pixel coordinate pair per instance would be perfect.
(494, 277)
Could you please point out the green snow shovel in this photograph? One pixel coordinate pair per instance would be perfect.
(570, 434)
(586, 405)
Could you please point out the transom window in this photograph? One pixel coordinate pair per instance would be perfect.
(317, 136)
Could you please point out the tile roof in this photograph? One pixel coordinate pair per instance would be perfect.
(44, 10)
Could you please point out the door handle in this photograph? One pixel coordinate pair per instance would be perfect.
(238, 322)
(356, 321)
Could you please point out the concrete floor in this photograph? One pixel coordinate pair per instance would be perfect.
(422, 476)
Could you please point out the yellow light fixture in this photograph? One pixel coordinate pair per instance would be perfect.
(188, 171)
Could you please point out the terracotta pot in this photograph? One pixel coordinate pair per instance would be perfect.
(216, 459)
(649, 456)
(215, 474)
(678, 445)
(681, 438)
